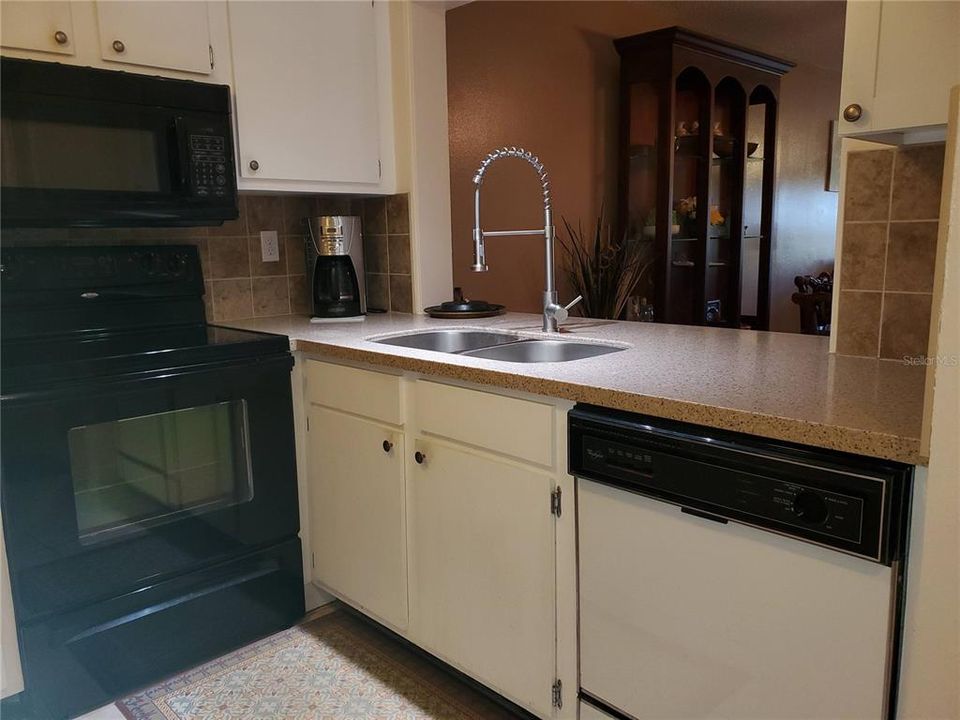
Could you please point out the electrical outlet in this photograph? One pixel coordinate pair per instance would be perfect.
(269, 246)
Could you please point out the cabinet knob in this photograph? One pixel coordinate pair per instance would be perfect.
(60, 37)
(387, 446)
(118, 46)
(419, 457)
(852, 112)
(254, 165)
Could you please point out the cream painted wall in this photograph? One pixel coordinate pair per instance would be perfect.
(930, 683)
(429, 155)
(11, 678)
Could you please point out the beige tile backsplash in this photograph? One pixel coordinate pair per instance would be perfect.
(238, 284)
(890, 230)
(386, 252)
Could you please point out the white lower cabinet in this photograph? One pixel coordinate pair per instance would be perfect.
(448, 533)
(357, 531)
(589, 712)
(482, 562)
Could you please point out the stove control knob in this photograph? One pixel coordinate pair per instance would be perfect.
(175, 263)
(810, 507)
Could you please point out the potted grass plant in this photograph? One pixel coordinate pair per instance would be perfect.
(604, 270)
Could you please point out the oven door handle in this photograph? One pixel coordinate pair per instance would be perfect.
(266, 569)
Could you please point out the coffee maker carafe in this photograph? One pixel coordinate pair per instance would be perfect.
(335, 265)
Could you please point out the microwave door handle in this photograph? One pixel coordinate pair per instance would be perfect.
(179, 160)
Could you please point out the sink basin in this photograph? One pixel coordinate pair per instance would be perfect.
(539, 351)
(450, 341)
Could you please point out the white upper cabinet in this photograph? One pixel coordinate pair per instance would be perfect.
(900, 60)
(174, 36)
(311, 82)
(45, 27)
(180, 39)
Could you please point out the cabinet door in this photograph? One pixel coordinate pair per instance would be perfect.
(917, 63)
(861, 31)
(305, 77)
(482, 569)
(42, 26)
(356, 495)
(900, 60)
(160, 34)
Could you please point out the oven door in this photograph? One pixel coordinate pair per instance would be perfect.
(92, 148)
(117, 485)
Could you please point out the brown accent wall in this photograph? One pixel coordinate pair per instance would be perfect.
(544, 75)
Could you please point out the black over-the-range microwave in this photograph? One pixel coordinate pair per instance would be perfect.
(83, 147)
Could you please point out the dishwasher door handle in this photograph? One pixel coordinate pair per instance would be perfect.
(704, 515)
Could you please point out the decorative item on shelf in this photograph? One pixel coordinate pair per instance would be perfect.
(724, 147)
(717, 131)
(603, 270)
(713, 314)
(686, 212)
(639, 310)
(718, 223)
(650, 225)
(716, 217)
(646, 311)
(682, 130)
(649, 230)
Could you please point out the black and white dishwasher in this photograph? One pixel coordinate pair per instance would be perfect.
(727, 576)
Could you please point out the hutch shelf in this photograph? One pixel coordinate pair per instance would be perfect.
(697, 136)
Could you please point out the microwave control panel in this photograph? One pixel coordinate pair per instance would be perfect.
(208, 161)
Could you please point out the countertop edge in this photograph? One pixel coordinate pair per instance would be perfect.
(832, 437)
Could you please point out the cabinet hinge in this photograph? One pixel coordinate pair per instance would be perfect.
(211, 56)
(379, 169)
(558, 694)
(313, 560)
(556, 502)
(308, 423)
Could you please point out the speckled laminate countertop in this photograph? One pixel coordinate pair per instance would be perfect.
(775, 385)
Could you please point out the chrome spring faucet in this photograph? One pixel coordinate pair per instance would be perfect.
(553, 314)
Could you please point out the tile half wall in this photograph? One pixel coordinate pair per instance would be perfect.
(887, 263)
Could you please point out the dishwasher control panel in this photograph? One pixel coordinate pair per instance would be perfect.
(820, 498)
(827, 512)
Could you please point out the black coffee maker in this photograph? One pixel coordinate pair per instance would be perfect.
(335, 261)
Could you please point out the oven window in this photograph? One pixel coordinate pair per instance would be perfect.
(136, 472)
(58, 155)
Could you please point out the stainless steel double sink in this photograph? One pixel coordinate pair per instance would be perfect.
(504, 346)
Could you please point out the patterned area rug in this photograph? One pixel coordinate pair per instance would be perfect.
(336, 667)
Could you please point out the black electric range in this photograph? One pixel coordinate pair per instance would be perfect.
(148, 482)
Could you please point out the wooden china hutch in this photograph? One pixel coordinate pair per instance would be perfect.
(697, 140)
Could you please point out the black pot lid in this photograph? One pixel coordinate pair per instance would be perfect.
(467, 306)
